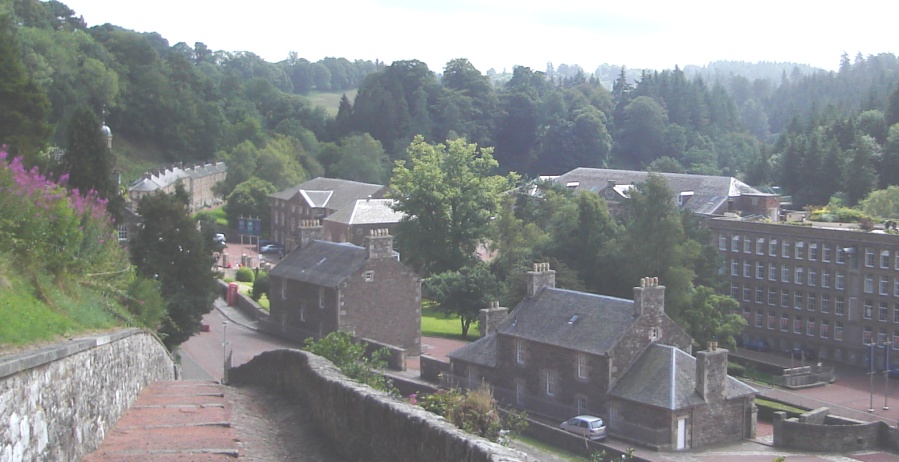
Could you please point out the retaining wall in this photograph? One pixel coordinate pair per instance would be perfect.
(370, 425)
(820, 437)
(57, 402)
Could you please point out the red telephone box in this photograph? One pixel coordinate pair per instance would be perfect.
(232, 294)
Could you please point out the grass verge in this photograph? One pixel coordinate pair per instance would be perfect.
(434, 323)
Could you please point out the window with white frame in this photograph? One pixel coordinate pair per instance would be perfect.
(825, 278)
(825, 328)
(582, 366)
(800, 272)
(772, 271)
(747, 315)
(772, 320)
(747, 269)
(797, 300)
(840, 281)
(827, 253)
(885, 259)
(813, 251)
(838, 331)
(321, 297)
(784, 298)
(735, 290)
(759, 270)
(368, 276)
(785, 249)
(812, 276)
(747, 245)
(884, 285)
(735, 243)
(838, 302)
(799, 250)
(581, 404)
(520, 352)
(772, 247)
(772, 297)
(797, 325)
(784, 273)
(811, 302)
(551, 383)
(784, 323)
(841, 256)
(810, 328)
(869, 257)
(825, 303)
(759, 316)
(867, 336)
(883, 312)
(896, 313)
(734, 267)
(122, 232)
(302, 314)
(896, 287)
(759, 295)
(760, 246)
(869, 309)
(722, 241)
(747, 293)
(869, 284)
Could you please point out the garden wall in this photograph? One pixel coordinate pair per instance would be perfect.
(340, 407)
(58, 402)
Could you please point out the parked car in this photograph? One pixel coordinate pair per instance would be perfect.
(757, 345)
(271, 248)
(219, 237)
(588, 426)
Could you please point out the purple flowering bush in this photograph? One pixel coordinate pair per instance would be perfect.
(45, 226)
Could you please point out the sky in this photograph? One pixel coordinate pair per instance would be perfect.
(500, 34)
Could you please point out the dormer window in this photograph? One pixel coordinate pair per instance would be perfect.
(654, 334)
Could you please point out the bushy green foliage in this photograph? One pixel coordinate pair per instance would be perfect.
(838, 214)
(260, 286)
(475, 411)
(350, 357)
(244, 274)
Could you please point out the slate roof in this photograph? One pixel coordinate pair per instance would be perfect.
(665, 376)
(331, 193)
(710, 193)
(579, 321)
(321, 263)
(367, 211)
(168, 176)
(482, 351)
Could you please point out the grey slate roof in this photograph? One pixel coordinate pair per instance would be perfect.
(710, 193)
(331, 193)
(367, 211)
(579, 321)
(482, 351)
(321, 263)
(168, 176)
(665, 376)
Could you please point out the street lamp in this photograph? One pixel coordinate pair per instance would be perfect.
(224, 350)
(871, 374)
(886, 375)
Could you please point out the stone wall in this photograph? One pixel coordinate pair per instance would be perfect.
(431, 368)
(393, 429)
(793, 434)
(57, 402)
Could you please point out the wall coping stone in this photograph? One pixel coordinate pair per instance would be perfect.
(25, 360)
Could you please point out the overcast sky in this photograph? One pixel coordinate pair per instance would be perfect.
(499, 34)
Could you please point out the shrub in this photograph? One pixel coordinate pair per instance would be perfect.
(244, 274)
(475, 411)
(349, 356)
(737, 370)
(260, 286)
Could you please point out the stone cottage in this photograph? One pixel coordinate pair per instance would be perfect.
(561, 353)
(324, 287)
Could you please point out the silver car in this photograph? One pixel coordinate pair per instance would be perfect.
(588, 426)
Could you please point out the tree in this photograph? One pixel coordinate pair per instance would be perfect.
(883, 203)
(87, 160)
(23, 106)
(349, 356)
(170, 249)
(642, 131)
(251, 199)
(361, 158)
(464, 292)
(449, 197)
(712, 315)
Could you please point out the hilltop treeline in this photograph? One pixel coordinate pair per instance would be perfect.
(193, 103)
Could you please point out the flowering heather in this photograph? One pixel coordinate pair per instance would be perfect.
(44, 222)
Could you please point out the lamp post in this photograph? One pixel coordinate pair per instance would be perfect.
(871, 374)
(224, 349)
(886, 375)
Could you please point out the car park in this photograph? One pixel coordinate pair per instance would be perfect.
(588, 426)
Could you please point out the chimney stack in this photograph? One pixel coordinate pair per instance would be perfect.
(490, 318)
(711, 373)
(539, 278)
(379, 243)
(310, 230)
(649, 298)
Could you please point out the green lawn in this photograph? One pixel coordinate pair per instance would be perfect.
(436, 324)
(330, 102)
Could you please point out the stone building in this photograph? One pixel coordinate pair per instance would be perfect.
(324, 287)
(829, 290)
(197, 180)
(357, 220)
(315, 199)
(561, 353)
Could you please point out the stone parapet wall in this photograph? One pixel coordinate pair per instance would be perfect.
(58, 402)
(837, 439)
(340, 407)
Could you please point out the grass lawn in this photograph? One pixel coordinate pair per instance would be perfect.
(330, 101)
(436, 324)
